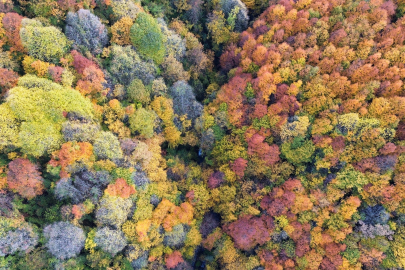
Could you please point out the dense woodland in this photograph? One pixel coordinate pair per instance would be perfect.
(192, 134)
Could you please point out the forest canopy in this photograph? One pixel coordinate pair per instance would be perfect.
(190, 134)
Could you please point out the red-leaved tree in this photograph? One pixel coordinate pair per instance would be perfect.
(173, 259)
(24, 178)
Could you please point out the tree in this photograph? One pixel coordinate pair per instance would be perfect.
(45, 43)
(56, 73)
(239, 167)
(137, 92)
(23, 239)
(8, 129)
(83, 184)
(159, 87)
(176, 237)
(126, 65)
(12, 24)
(195, 12)
(111, 241)
(229, 59)
(6, 6)
(91, 82)
(219, 30)
(376, 215)
(79, 131)
(147, 37)
(64, 240)
(298, 126)
(141, 261)
(80, 63)
(125, 8)
(39, 105)
(86, 30)
(184, 102)
(238, 10)
(142, 122)
(141, 180)
(113, 211)
(257, 146)
(173, 259)
(349, 178)
(120, 31)
(248, 231)
(107, 146)
(175, 45)
(299, 151)
(24, 178)
(210, 222)
(173, 70)
(120, 188)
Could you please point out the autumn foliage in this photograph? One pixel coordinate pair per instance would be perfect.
(191, 134)
(24, 178)
(120, 188)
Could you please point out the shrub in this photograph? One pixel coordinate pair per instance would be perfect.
(44, 43)
(24, 178)
(147, 38)
(107, 146)
(86, 30)
(111, 241)
(64, 240)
